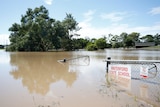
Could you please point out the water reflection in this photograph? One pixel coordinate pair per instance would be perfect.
(145, 90)
(53, 84)
(39, 70)
(141, 94)
(4, 57)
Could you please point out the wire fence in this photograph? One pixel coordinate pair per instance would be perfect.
(141, 78)
(79, 60)
(151, 67)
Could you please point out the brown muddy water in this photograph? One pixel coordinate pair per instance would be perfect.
(38, 79)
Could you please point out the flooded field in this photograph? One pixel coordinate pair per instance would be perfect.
(42, 79)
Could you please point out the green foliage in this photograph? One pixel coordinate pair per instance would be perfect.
(83, 42)
(69, 25)
(91, 47)
(115, 41)
(147, 38)
(38, 32)
(33, 33)
(157, 39)
(128, 42)
(59, 33)
(130, 39)
(101, 43)
(79, 43)
(124, 40)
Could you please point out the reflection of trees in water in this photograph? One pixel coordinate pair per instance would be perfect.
(109, 88)
(38, 71)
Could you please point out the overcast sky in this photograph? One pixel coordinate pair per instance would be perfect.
(96, 17)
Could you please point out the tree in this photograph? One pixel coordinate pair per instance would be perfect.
(101, 43)
(135, 36)
(91, 47)
(38, 32)
(129, 42)
(79, 43)
(131, 39)
(147, 38)
(70, 26)
(123, 37)
(83, 42)
(34, 32)
(60, 32)
(115, 41)
(157, 39)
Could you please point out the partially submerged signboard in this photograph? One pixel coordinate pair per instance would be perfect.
(144, 71)
(120, 74)
(123, 71)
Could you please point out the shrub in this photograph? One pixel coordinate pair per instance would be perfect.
(91, 47)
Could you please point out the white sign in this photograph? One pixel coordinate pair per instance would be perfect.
(121, 74)
(123, 71)
(144, 71)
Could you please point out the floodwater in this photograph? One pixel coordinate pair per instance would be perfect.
(39, 79)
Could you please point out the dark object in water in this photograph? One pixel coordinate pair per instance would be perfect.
(64, 60)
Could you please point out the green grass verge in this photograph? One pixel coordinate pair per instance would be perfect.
(152, 47)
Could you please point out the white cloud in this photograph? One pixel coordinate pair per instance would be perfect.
(148, 29)
(49, 2)
(88, 15)
(114, 17)
(97, 32)
(155, 10)
(88, 30)
(4, 39)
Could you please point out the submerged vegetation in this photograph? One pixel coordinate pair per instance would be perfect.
(39, 32)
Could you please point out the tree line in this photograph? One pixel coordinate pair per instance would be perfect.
(39, 32)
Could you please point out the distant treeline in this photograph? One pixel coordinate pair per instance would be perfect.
(2, 46)
(39, 32)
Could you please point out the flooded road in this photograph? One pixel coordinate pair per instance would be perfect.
(39, 79)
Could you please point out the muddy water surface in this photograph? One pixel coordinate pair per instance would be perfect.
(38, 79)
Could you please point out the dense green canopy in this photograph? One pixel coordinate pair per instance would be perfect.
(38, 32)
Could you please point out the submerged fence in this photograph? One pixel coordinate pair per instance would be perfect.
(140, 77)
(79, 60)
(140, 69)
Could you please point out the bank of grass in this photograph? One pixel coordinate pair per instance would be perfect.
(152, 47)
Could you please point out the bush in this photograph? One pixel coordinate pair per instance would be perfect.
(91, 47)
(101, 43)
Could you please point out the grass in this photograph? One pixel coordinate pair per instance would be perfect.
(152, 47)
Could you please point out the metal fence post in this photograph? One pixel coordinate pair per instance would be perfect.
(108, 62)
